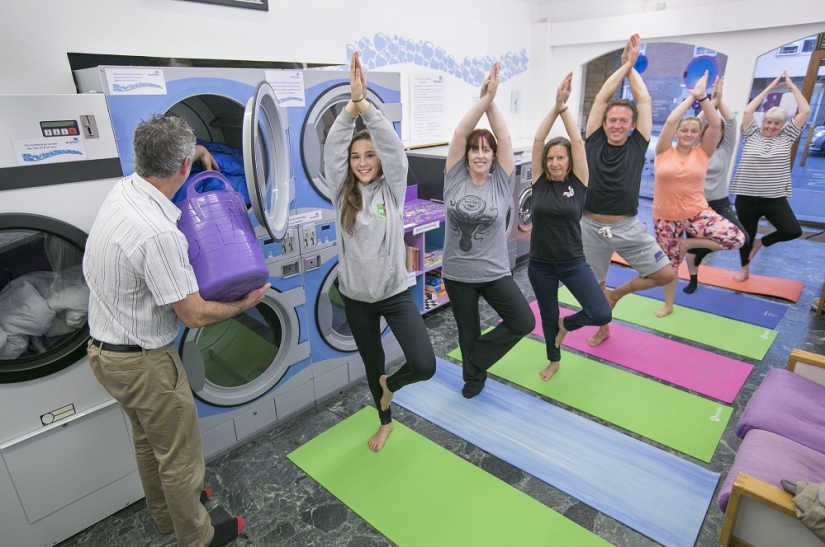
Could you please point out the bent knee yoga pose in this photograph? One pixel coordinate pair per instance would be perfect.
(367, 174)
(556, 253)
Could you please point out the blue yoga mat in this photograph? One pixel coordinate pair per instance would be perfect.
(660, 495)
(755, 311)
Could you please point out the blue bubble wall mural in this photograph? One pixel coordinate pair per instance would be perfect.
(383, 50)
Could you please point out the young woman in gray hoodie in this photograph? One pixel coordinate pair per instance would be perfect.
(367, 175)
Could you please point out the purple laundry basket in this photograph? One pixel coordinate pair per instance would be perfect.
(223, 249)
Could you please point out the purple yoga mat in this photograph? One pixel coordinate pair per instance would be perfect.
(692, 368)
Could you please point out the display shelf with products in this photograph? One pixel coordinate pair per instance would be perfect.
(424, 237)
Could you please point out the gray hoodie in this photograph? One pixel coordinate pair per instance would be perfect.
(371, 265)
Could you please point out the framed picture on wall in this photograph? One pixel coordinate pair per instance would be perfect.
(251, 4)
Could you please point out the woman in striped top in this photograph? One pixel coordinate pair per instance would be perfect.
(762, 184)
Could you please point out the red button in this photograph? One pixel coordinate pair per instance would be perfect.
(72, 131)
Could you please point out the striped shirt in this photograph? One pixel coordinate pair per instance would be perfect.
(136, 265)
(765, 168)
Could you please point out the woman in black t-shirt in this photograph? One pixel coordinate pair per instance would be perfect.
(556, 252)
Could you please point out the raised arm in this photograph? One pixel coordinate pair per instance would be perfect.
(336, 159)
(753, 106)
(629, 56)
(504, 154)
(723, 108)
(644, 104)
(803, 109)
(546, 124)
(458, 144)
(713, 133)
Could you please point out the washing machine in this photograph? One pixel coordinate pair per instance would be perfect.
(326, 93)
(335, 358)
(522, 197)
(427, 171)
(252, 372)
(66, 455)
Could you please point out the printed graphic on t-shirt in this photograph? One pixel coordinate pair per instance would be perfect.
(569, 193)
(470, 219)
(382, 209)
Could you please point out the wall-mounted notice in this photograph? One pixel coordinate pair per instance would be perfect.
(288, 86)
(426, 109)
(135, 81)
(36, 151)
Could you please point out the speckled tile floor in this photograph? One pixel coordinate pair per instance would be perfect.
(284, 507)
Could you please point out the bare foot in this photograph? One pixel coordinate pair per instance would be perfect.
(600, 336)
(548, 372)
(386, 397)
(562, 333)
(757, 244)
(743, 275)
(665, 311)
(376, 442)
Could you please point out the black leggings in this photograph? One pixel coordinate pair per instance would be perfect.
(777, 211)
(721, 206)
(481, 351)
(407, 325)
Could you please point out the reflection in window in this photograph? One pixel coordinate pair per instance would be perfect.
(44, 300)
(339, 317)
(238, 351)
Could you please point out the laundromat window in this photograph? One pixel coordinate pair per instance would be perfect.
(238, 351)
(44, 300)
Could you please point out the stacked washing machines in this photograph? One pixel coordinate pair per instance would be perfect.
(253, 371)
(66, 456)
(294, 349)
(522, 198)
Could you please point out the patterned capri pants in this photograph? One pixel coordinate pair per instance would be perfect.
(706, 225)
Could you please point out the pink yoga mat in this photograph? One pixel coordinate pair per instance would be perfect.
(692, 368)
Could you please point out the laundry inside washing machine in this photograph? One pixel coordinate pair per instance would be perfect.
(43, 296)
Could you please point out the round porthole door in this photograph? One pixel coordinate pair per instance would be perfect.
(44, 299)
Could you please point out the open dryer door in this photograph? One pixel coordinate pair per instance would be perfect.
(268, 161)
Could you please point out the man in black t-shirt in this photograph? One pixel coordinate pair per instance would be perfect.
(616, 139)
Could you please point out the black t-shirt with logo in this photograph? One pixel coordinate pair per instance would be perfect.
(615, 174)
(556, 208)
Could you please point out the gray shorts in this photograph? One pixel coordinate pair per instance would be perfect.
(629, 238)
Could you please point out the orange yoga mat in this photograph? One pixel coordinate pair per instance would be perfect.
(755, 284)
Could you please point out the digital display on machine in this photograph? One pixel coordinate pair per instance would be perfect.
(59, 128)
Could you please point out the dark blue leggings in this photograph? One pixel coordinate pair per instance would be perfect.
(481, 351)
(578, 277)
(407, 325)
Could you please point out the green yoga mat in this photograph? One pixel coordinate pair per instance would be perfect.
(419, 494)
(685, 422)
(708, 329)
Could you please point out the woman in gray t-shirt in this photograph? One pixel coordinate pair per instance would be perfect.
(478, 189)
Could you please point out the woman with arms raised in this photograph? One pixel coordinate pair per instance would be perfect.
(556, 252)
(762, 183)
(478, 189)
(367, 174)
(679, 204)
